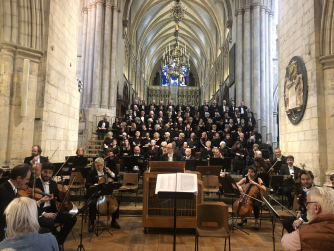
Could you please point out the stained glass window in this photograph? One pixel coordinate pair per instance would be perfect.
(174, 82)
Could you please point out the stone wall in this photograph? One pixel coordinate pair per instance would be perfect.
(299, 35)
(48, 39)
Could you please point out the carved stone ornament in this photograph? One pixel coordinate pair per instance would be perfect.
(295, 90)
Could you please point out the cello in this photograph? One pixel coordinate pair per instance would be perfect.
(244, 205)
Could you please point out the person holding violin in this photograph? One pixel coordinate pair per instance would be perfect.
(306, 183)
(253, 179)
(262, 170)
(47, 210)
(36, 171)
(35, 157)
(19, 176)
(92, 179)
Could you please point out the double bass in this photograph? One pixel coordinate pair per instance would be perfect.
(244, 205)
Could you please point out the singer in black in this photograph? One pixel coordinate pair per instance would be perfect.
(93, 179)
(47, 210)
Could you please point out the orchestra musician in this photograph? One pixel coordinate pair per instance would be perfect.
(262, 170)
(47, 210)
(306, 180)
(37, 170)
(289, 169)
(278, 155)
(92, 179)
(35, 157)
(253, 179)
(19, 176)
(188, 155)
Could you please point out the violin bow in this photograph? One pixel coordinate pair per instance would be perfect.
(61, 167)
(289, 211)
(62, 203)
(274, 164)
(53, 154)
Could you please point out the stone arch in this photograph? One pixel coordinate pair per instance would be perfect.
(326, 30)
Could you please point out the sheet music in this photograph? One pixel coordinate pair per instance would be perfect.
(180, 182)
(166, 183)
(186, 182)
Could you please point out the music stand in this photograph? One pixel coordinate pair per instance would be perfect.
(107, 189)
(224, 163)
(191, 164)
(175, 196)
(83, 208)
(277, 167)
(231, 190)
(274, 217)
(200, 162)
(209, 170)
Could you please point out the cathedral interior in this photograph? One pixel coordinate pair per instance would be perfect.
(67, 64)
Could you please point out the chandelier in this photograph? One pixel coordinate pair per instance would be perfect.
(177, 11)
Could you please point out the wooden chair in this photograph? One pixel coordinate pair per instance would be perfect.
(79, 182)
(130, 184)
(211, 184)
(198, 155)
(211, 224)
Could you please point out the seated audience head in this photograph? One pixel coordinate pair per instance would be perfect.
(36, 150)
(20, 175)
(255, 147)
(258, 154)
(320, 200)
(216, 152)
(208, 144)
(156, 135)
(80, 151)
(188, 152)
(306, 178)
(290, 159)
(185, 145)
(170, 149)
(252, 139)
(109, 135)
(222, 144)
(47, 171)
(136, 150)
(181, 135)
(153, 142)
(163, 144)
(21, 217)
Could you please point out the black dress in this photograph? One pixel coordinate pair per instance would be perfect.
(239, 162)
(153, 152)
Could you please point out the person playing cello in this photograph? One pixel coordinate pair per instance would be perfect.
(254, 180)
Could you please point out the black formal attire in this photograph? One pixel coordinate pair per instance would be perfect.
(63, 218)
(140, 168)
(108, 142)
(225, 152)
(243, 111)
(142, 107)
(192, 143)
(7, 194)
(229, 142)
(256, 204)
(101, 132)
(239, 162)
(176, 157)
(92, 179)
(186, 158)
(283, 159)
(287, 222)
(41, 160)
(251, 119)
(287, 189)
(153, 152)
(207, 153)
(266, 154)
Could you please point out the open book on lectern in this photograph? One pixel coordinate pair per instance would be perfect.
(176, 182)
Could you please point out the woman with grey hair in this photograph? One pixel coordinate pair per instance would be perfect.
(153, 150)
(225, 152)
(22, 228)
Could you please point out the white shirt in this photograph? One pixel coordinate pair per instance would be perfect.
(170, 157)
(100, 174)
(242, 110)
(292, 171)
(14, 188)
(279, 158)
(135, 168)
(38, 160)
(46, 187)
(103, 125)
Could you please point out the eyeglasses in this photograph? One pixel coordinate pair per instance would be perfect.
(307, 202)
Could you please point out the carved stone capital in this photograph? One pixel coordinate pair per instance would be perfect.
(238, 12)
(108, 4)
(99, 2)
(256, 5)
(327, 61)
(85, 10)
(247, 8)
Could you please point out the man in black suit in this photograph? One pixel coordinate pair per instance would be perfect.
(35, 157)
(292, 170)
(223, 106)
(180, 107)
(205, 104)
(170, 155)
(161, 104)
(93, 178)
(139, 169)
(242, 109)
(47, 210)
(19, 176)
(250, 118)
(214, 108)
(135, 103)
(102, 128)
(279, 156)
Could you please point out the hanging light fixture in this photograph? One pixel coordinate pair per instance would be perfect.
(177, 11)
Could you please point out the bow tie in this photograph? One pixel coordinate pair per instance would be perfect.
(45, 183)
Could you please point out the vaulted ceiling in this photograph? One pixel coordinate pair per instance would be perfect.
(203, 30)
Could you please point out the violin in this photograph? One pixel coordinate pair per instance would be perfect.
(244, 205)
(64, 205)
(35, 194)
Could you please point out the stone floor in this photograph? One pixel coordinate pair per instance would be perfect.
(131, 237)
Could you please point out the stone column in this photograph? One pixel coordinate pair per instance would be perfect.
(263, 72)
(271, 78)
(91, 54)
(256, 101)
(247, 57)
(106, 56)
(86, 91)
(83, 54)
(112, 89)
(97, 56)
(268, 100)
(238, 59)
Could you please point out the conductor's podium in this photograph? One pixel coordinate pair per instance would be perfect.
(158, 212)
